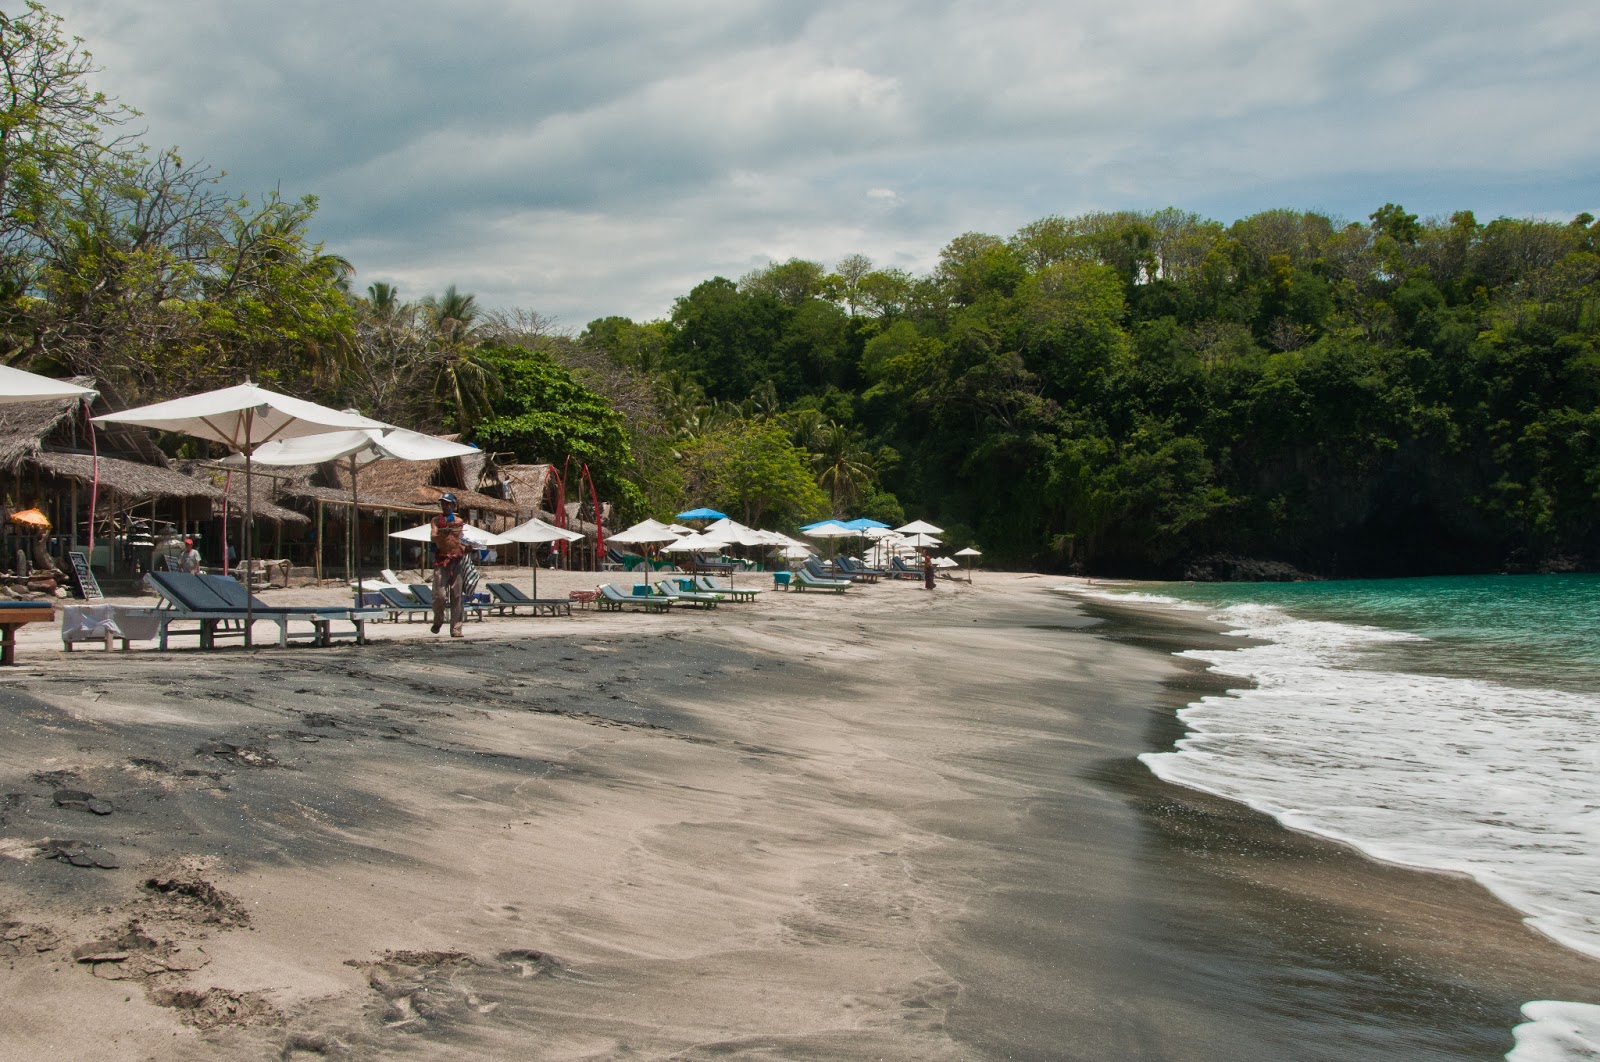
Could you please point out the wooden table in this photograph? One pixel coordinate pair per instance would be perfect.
(14, 614)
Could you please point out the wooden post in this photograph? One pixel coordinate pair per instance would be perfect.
(319, 541)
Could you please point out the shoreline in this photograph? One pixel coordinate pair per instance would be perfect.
(889, 825)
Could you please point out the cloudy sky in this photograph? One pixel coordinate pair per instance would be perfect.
(583, 159)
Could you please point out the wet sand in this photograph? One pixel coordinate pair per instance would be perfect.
(889, 824)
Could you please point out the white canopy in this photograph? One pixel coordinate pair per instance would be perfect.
(19, 386)
(921, 541)
(366, 445)
(537, 530)
(244, 417)
(832, 529)
(969, 552)
(694, 544)
(643, 533)
(472, 536)
(919, 527)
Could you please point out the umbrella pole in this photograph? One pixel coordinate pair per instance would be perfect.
(535, 548)
(355, 531)
(244, 536)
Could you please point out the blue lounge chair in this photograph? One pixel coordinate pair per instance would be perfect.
(508, 596)
(424, 593)
(219, 606)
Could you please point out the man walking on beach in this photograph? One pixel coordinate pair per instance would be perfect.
(448, 551)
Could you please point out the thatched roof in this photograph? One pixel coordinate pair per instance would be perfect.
(338, 496)
(527, 485)
(24, 425)
(29, 428)
(267, 491)
(407, 485)
(130, 479)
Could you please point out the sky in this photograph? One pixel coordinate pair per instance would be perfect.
(597, 158)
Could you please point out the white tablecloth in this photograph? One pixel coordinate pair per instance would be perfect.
(81, 623)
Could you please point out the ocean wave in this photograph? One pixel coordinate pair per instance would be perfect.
(1556, 1032)
(1442, 773)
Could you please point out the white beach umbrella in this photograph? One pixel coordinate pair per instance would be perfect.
(19, 386)
(470, 534)
(644, 533)
(694, 544)
(919, 527)
(361, 447)
(830, 530)
(244, 417)
(920, 540)
(536, 531)
(969, 553)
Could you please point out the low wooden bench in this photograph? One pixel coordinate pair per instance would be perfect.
(14, 614)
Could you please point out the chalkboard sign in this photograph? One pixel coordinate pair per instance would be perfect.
(82, 578)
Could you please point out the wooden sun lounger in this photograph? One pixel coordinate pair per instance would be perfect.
(612, 599)
(509, 596)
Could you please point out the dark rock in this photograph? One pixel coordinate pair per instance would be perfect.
(1225, 568)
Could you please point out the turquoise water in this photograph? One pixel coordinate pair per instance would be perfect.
(1451, 724)
(1534, 630)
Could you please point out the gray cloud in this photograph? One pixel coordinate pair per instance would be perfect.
(583, 159)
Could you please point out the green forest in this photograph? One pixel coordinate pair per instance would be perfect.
(1139, 393)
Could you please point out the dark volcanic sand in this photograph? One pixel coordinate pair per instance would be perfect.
(887, 825)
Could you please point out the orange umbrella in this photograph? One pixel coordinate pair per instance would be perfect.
(33, 518)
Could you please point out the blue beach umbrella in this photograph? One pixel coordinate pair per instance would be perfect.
(701, 513)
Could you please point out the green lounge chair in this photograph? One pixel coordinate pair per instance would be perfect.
(612, 599)
(669, 589)
(712, 585)
(804, 580)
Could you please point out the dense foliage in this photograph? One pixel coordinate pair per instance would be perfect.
(1124, 392)
(1127, 391)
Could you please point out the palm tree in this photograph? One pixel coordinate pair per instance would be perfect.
(844, 467)
(459, 374)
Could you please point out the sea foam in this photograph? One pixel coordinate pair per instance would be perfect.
(1557, 1032)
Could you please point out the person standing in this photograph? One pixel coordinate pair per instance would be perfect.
(927, 569)
(448, 551)
(189, 559)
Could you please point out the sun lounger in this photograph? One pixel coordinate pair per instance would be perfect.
(677, 595)
(219, 606)
(712, 585)
(804, 580)
(901, 570)
(612, 598)
(424, 593)
(814, 568)
(398, 601)
(856, 567)
(508, 596)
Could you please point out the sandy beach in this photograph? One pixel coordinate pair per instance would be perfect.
(890, 824)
